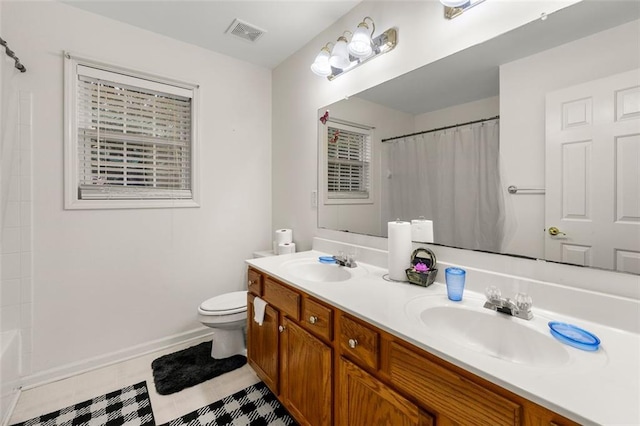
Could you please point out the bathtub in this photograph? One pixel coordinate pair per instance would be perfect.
(9, 373)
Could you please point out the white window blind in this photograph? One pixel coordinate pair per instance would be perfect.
(348, 162)
(132, 137)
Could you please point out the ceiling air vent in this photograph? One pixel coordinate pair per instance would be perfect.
(245, 31)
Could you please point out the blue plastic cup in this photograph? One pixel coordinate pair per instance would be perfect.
(455, 283)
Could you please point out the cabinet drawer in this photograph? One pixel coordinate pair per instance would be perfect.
(254, 282)
(317, 318)
(448, 393)
(359, 341)
(283, 298)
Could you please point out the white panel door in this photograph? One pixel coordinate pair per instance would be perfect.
(593, 173)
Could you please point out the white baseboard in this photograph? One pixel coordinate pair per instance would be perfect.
(79, 367)
(11, 407)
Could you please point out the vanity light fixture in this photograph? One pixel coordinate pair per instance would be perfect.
(360, 45)
(453, 8)
(340, 55)
(321, 64)
(346, 55)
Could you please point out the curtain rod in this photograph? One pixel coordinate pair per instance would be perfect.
(12, 55)
(441, 128)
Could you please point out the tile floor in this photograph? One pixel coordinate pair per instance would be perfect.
(63, 393)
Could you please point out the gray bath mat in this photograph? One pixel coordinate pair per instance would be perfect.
(190, 367)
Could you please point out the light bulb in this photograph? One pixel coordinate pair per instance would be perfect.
(321, 65)
(360, 45)
(340, 55)
(454, 3)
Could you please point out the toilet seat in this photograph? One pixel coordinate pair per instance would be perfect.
(225, 304)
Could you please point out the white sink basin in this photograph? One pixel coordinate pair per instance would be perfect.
(313, 270)
(496, 334)
(489, 332)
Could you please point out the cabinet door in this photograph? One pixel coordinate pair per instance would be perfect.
(447, 392)
(306, 376)
(262, 345)
(366, 401)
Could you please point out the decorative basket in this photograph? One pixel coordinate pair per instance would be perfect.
(428, 258)
(423, 279)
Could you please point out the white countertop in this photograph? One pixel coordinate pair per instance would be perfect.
(601, 387)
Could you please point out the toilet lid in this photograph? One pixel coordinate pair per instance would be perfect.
(228, 303)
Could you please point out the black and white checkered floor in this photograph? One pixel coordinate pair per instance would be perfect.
(130, 406)
(253, 406)
(53, 396)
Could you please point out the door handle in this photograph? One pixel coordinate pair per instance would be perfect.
(553, 231)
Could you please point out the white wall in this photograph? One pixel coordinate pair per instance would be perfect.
(523, 85)
(470, 111)
(387, 122)
(16, 212)
(424, 36)
(109, 283)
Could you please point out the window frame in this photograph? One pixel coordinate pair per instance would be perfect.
(344, 198)
(72, 200)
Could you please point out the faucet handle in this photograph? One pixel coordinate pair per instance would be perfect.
(523, 302)
(493, 294)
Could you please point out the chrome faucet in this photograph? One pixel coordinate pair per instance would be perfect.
(348, 261)
(519, 308)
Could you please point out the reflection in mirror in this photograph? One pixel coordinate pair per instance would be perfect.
(567, 140)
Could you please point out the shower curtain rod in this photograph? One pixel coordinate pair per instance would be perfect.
(441, 128)
(12, 55)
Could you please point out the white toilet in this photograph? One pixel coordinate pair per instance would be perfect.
(227, 314)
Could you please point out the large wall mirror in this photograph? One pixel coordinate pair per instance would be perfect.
(527, 144)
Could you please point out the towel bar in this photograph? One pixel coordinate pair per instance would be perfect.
(514, 190)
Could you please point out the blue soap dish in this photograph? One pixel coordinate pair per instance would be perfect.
(326, 259)
(574, 336)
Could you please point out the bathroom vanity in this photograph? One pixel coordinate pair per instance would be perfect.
(324, 363)
(346, 347)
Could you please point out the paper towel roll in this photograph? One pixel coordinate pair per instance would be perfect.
(400, 249)
(422, 230)
(283, 236)
(286, 248)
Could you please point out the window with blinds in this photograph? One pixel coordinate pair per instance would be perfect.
(133, 139)
(348, 162)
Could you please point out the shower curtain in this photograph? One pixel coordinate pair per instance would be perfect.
(451, 177)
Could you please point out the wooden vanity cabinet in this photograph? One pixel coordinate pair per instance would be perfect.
(263, 344)
(328, 367)
(448, 393)
(306, 375)
(294, 363)
(366, 401)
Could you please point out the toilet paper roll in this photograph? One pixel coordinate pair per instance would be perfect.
(286, 248)
(283, 236)
(422, 230)
(400, 249)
